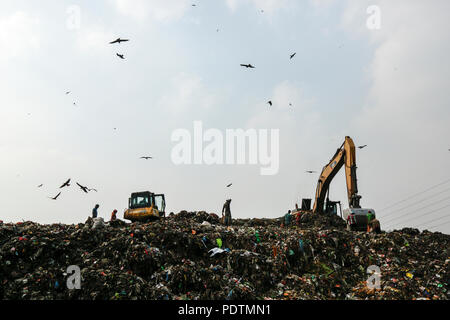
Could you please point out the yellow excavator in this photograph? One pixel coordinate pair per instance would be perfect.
(145, 206)
(356, 217)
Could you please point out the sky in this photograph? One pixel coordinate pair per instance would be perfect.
(377, 71)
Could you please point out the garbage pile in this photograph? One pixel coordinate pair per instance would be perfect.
(191, 255)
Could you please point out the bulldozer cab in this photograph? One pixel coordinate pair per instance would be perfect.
(140, 200)
(143, 206)
(160, 203)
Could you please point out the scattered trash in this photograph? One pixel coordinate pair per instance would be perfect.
(165, 259)
(216, 251)
(98, 223)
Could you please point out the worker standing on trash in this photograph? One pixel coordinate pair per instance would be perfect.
(370, 217)
(351, 220)
(374, 226)
(114, 215)
(287, 219)
(94, 211)
(298, 216)
(226, 209)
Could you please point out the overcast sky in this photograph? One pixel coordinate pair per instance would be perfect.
(387, 88)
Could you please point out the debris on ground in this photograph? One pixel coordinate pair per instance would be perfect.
(191, 255)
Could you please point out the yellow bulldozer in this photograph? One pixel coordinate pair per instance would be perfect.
(145, 206)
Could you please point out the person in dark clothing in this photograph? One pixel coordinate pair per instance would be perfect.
(226, 209)
(94, 211)
(287, 219)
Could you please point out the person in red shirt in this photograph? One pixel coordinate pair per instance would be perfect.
(114, 215)
(298, 216)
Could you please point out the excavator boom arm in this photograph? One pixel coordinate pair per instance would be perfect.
(350, 173)
(345, 155)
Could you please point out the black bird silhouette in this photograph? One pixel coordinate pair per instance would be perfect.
(67, 92)
(193, 5)
(85, 189)
(40, 185)
(93, 190)
(360, 147)
(229, 185)
(120, 56)
(269, 102)
(292, 55)
(55, 197)
(65, 184)
(146, 158)
(290, 104)
(118, 40)
(247, 65)
(310, 171)
(74, 104)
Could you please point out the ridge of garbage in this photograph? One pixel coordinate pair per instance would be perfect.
(191, 255)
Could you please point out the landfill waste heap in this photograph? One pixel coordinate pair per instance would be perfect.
(191, 255)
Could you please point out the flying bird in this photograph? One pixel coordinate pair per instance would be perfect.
(93, 190)
(146, 158)
(269, 102)
(290, 104)
(85, 189)
(310, 171)
(118, 40)
(360, 147)
(67, 92)
(120, 56)
(55, 197)
(247, 65)
(39, 186)
(229, 185)
(65, 184)
(292, 55)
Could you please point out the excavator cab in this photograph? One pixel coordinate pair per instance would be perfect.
(357, 218)
(333, 207)
(145, 206)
